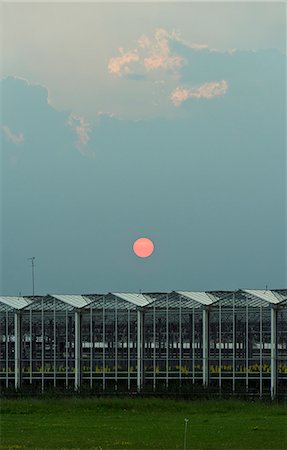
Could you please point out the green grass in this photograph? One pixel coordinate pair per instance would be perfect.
(111, 423)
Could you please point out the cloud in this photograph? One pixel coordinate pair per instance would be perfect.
(179, 95)
(39, 128)
(119, 64)
(179, 70)
(151, 54)
(164, 58)
(206, 90)
(144, 41)
(160, 56)
(83, 130)
(16, 139)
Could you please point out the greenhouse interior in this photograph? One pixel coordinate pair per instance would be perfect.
(220, 340)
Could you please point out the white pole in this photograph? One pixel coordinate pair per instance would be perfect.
(233, 343)
(91, 347)
(220, 381)
(154, 347)
(7, 348)
(104, 343)
(185, 433)
(167, 341)
(205, 346)
(193, 345)
(247, 345)
(43, 345)
(17, 331)
(128, 349)
(67, 348)
(273, 353)
(261, 344)
(116, 344)
(31, 345)
(55, 342)
(180, 339)
(77, 349)
(139, 351)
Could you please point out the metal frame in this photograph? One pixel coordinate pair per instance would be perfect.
(242, 354)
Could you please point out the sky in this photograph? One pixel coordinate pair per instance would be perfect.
(126, 120)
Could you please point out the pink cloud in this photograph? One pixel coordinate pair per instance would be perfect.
(119, 64)
(16, 139)
(162, 61)
(144, 41)
(82, 129)
(151, 54)
(206, 90)
(179, 95)
(160, 56)
(210, 90)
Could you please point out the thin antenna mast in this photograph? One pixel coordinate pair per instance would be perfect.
(32, 259)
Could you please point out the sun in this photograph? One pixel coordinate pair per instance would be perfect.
(143, 247)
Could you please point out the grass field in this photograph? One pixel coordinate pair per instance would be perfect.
(114, 423)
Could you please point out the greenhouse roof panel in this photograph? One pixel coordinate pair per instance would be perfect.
(77, 301)
(283, 302)
(162, 299)
(136, 299)
(281, 294)
(15, 302)
(200, 297)
(268, 296)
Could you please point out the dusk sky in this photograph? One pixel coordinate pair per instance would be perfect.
(156, 120)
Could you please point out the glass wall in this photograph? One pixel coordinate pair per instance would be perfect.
(7, 348)
(173, 341)
(109, 343)
(282, 348)
(240, 344)
(168, 339)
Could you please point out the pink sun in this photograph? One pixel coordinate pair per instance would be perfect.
(143, 247)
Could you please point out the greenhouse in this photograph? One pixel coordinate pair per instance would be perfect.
(220, 340)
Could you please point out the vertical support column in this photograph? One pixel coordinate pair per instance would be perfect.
(247, 345)
(205, 346)
(31, 343)
(104, 344)
(233, 342)
(17, 330)
(143, 350)
(219, 343)
(2, 333)
(260, 354)
(77, 350)
(154, 347)
(91, 347)
(273, 384)
(193, 345)
(167, 341)
(116, 344)
(129, 349)
(7, 348)
(180, 340)
(43, 346)
(139, 350)
(55, 343)
(67, 348)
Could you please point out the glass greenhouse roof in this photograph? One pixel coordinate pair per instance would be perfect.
(136, 299)
(77, 301)
(203, 298)
(10, 303)
(131, 300)
(268, 296)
